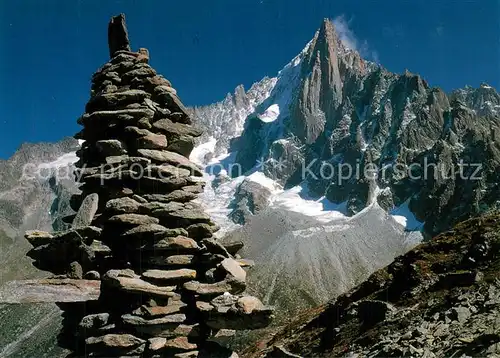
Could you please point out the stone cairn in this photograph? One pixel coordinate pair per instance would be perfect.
(167, 287)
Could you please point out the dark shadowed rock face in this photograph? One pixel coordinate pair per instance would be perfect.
(441, 299)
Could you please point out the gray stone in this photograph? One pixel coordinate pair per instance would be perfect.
(124, 344)
(171, 158)
(177, 244)
(94, 321)
(202, 230)
(87, 210)
(172, 261)
(115, 100)
(105, 118)
(127, 281)
(146, 230)
(460, 313)
(132, 220)
(92, 275)
(167, 171)
(129, 161)
(50, 291)
(38, 238)
(165, 95)
(75, 270)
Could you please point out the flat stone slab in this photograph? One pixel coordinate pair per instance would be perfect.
(50, 290)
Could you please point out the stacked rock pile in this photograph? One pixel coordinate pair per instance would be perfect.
(167, 286)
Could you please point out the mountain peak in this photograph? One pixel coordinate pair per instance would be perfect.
(327, 30)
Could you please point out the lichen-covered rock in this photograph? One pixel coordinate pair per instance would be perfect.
(87, 210)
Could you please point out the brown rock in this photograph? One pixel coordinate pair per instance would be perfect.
(153, 141)
(207, 289)
(127, 281)
(201, 230)
(183, 145)
(143, 55)
(132, 220)
(171, 158)
(146, 230)
(176, 130)
(156, 343)
(233, 269)
(169, 276)
(116, 100)
(172, 261)
(160, 311)
(180, 343)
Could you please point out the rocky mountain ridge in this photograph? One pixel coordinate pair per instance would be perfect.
(331, 109)
(441, 299)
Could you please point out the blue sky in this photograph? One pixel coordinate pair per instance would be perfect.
(50, 48)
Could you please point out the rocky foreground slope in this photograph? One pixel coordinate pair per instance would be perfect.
(441, 299)
(32, 196)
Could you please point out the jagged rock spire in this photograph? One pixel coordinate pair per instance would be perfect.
(117, 35)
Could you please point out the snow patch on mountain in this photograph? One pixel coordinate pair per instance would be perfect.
(271, 114)
(202, 151)
(65, 160)
(298, 200)
(404, 216)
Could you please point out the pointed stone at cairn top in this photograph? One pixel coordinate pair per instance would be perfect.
(118, 35)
